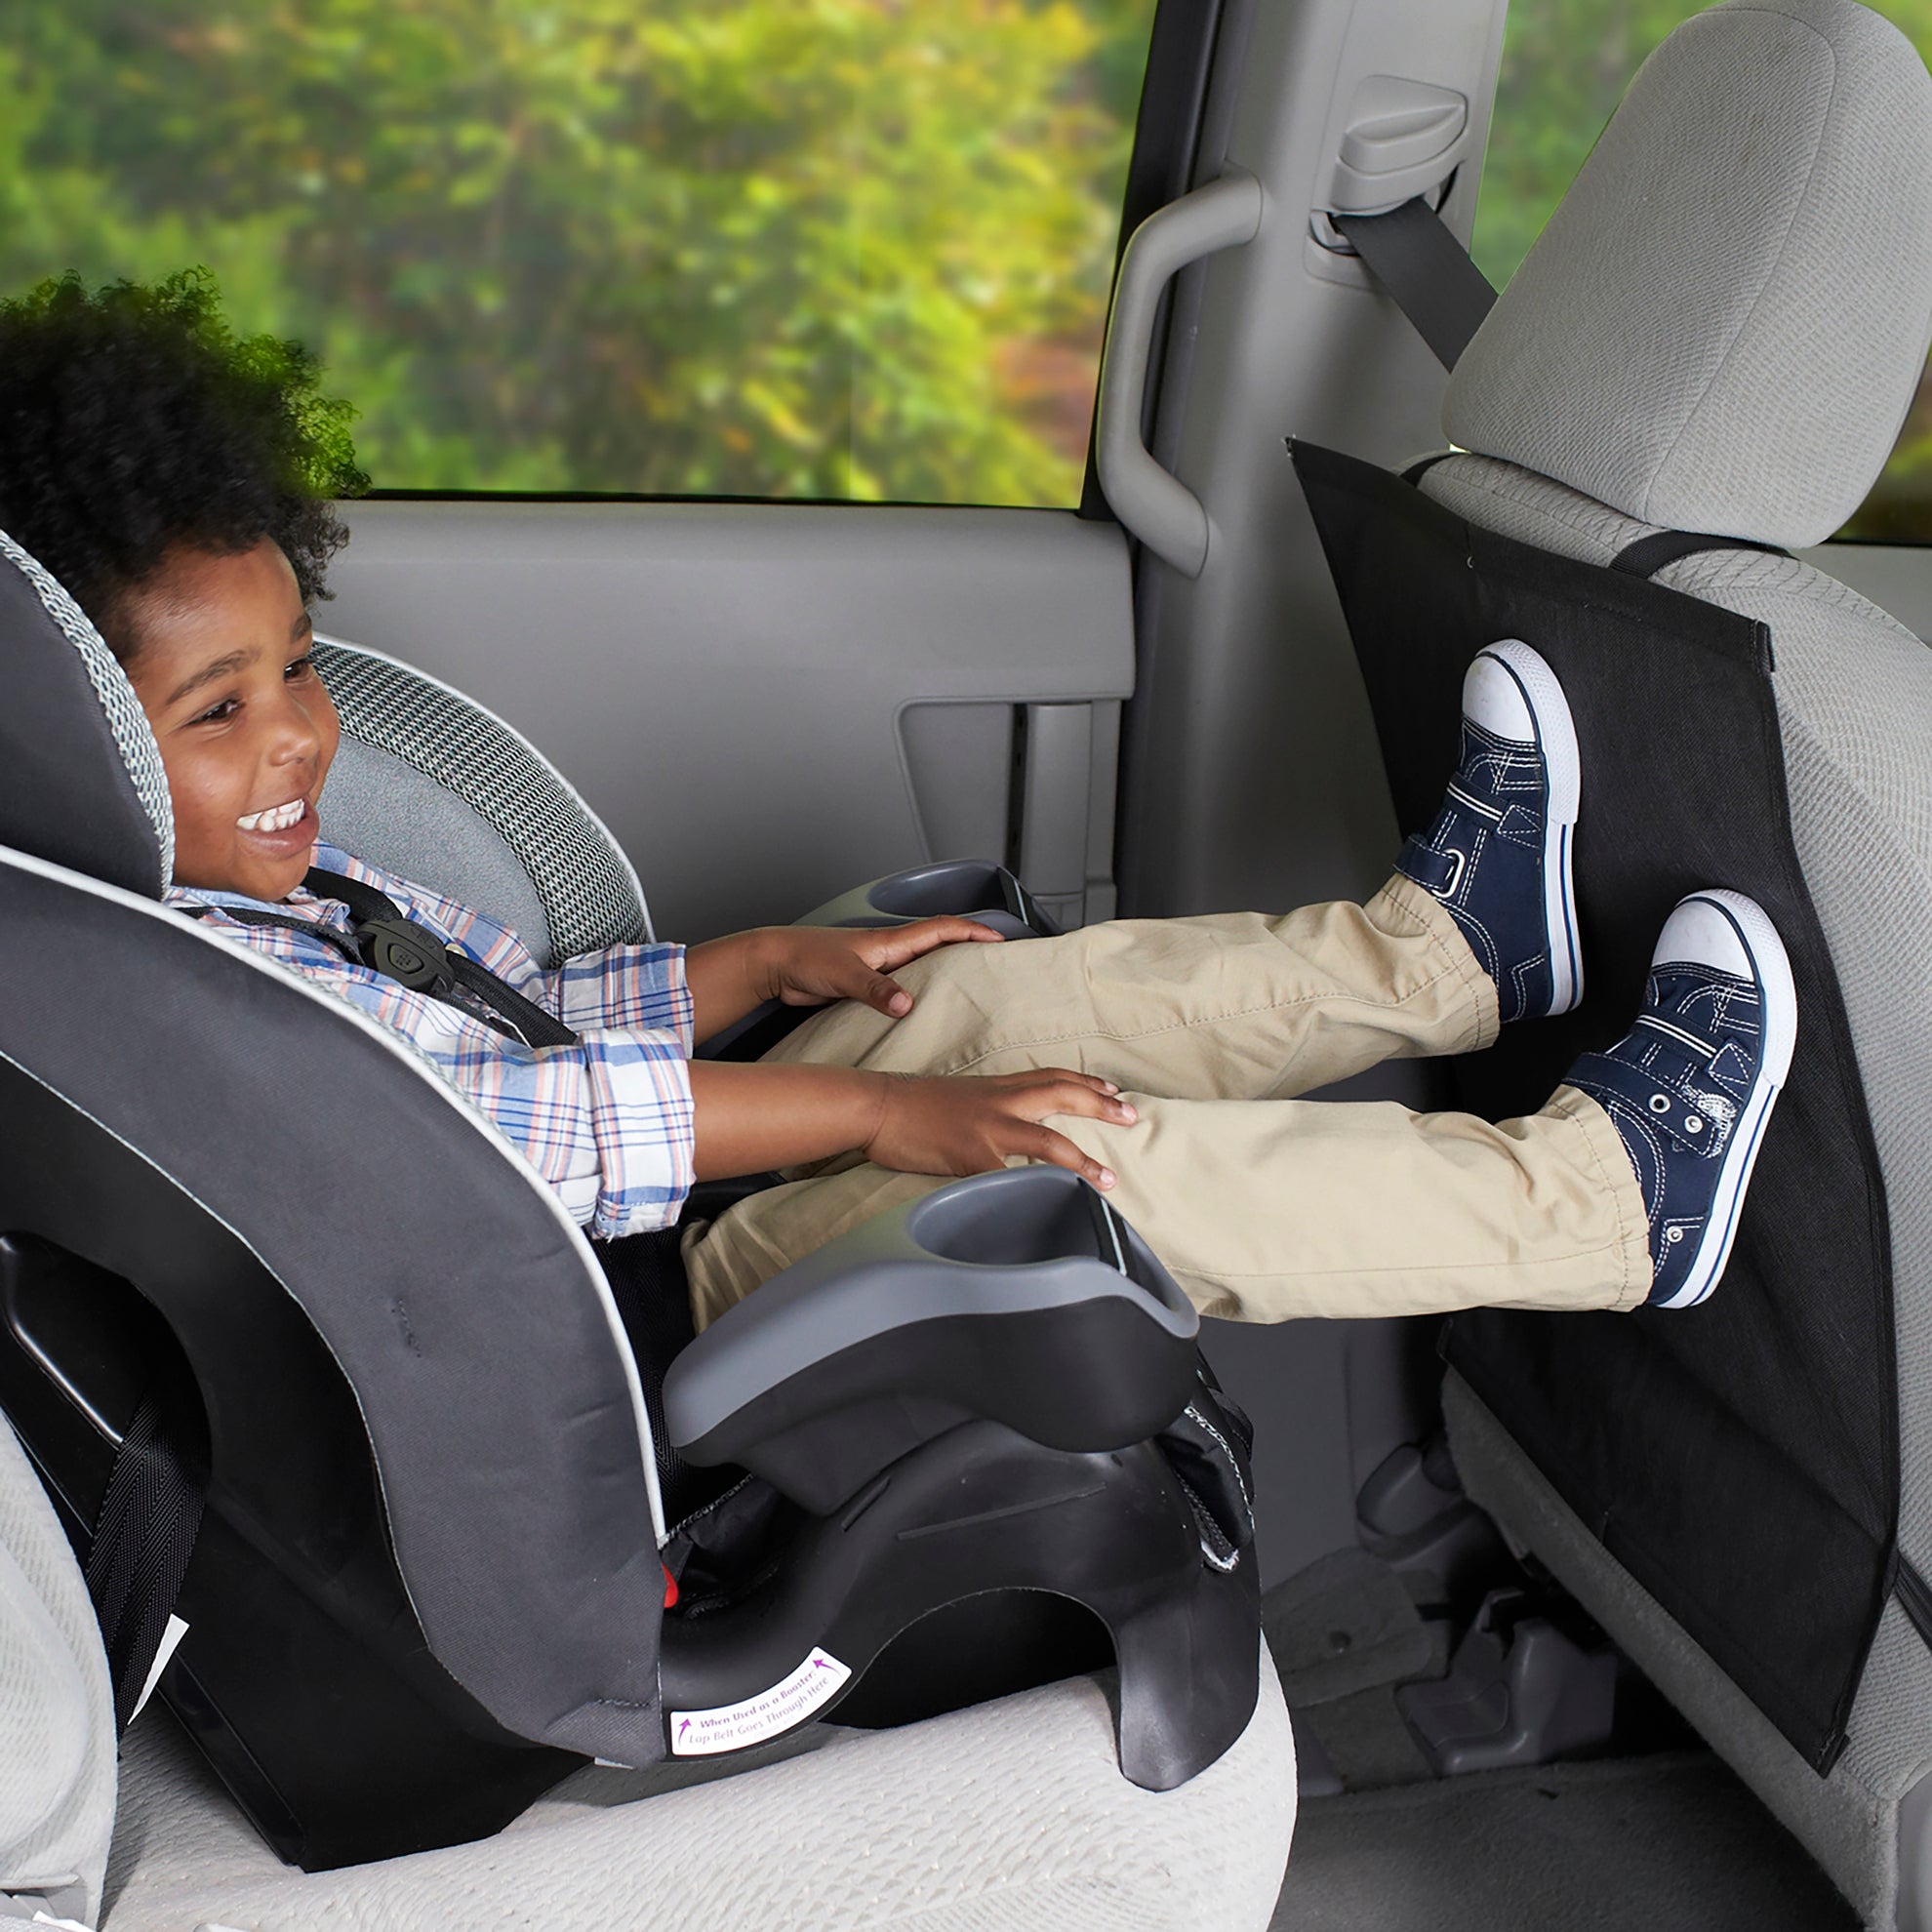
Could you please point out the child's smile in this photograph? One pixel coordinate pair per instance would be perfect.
(246, 730)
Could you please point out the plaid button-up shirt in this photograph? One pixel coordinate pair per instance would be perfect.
(606, 1122)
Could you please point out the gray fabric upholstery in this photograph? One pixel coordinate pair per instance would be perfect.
(1011, 1817)
(57, 1711)
(1722, 327)
(382, 809)
(125, 717)
(1854, 691)
(587, 886)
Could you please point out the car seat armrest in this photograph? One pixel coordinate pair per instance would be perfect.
(962, 888)
(1016, 1297)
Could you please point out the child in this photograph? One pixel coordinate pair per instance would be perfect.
(176, 482)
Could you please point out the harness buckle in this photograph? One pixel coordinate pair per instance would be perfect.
(406, 951)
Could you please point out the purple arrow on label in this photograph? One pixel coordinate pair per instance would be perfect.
(682, 1728)
(819, 1663)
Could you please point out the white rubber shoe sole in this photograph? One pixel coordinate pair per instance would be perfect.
(1749, 927)
(1534, 694)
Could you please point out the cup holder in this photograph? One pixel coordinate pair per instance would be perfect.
(931, 892)
(960, 888)
(1034, 1217)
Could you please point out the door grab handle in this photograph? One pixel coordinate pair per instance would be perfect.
(1155, 506)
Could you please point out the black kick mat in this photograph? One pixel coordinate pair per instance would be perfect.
(1739, 1458)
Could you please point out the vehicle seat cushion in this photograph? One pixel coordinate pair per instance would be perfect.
(1008, 1815)
(430, 786)
(1682, 357)
(57, 1709)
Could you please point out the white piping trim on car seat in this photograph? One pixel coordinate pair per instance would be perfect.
(463, 697)
(424, 1071)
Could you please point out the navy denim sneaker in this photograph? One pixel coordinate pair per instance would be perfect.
(1691, 1085)
(1498, 855)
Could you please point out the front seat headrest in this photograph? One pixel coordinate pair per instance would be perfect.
(1721, 328)
(81, 780)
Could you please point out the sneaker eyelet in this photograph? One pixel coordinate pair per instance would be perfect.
(1694, 1125)
(1660, 1103)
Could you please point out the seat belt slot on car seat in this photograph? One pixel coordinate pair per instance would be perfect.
(401, 948)
(1416, 258)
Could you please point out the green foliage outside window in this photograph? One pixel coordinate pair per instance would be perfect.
(827, 248)
(1565, 67)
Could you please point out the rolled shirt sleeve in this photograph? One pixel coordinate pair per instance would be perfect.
(607, 1122)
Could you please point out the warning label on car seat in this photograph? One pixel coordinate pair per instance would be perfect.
(788, 1702)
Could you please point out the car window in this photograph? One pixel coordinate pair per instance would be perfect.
(840, 249)
(1565, 67)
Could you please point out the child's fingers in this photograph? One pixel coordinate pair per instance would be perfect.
(1039, 1076)
(900, 946)
(1062, 1153)
(888, 996)
(1077, 1093)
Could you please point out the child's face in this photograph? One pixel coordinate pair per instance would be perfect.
(246, 730)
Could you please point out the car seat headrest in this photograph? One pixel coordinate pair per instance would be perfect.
(1721, 328)
(81, 781)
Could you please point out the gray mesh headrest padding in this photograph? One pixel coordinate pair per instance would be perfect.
(87, 797)
(1722, 327)
(590, 895)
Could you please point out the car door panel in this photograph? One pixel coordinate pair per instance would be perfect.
(768, 704)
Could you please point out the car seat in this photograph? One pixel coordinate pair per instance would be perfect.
(259, 1265)
(1008, 1815)
(1702, 365)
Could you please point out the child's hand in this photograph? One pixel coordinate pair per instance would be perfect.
(967, 1125)
(809, 965)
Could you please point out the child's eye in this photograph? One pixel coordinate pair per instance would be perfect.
(217, 713)
(300, 668)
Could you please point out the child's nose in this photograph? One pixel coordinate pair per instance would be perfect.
(297, 734)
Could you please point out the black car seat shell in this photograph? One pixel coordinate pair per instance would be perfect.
(1719, 333)
(430, 1573)
(1007, 1815)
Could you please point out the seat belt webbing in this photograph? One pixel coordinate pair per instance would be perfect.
(136, 1564)
(370, 909)
(387, 941)
(1411, 251)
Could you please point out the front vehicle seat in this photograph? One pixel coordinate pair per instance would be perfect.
(259, 1265)
(1701, 367)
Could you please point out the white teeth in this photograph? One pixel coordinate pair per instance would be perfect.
(277, 818)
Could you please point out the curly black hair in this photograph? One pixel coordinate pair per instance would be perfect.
(134, 421)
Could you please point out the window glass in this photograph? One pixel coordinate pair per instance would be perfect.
(1565, 67)
(824, 248)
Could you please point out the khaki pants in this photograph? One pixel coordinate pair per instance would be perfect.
(1264, 1207)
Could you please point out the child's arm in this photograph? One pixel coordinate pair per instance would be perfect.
(750, 1118)
(809, 965)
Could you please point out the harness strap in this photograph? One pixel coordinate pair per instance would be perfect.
(401, 948)
(389, 940)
